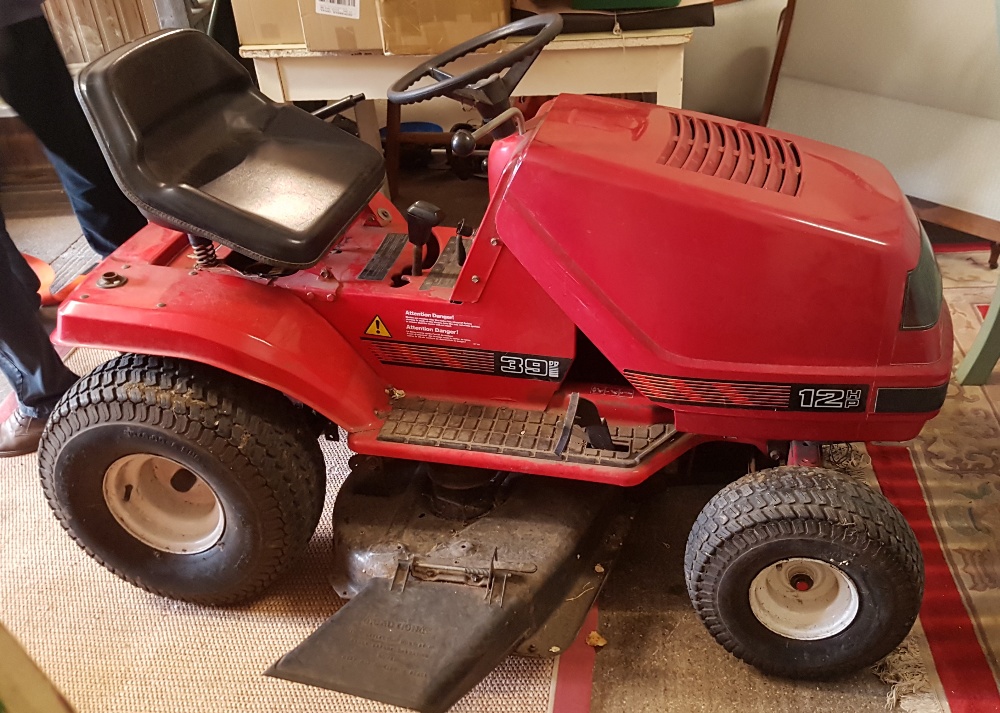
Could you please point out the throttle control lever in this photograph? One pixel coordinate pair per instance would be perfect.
(463, 141)
(421, 217)
(462, 231)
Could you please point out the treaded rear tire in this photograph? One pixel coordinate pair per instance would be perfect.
(797, 512)
(249, 443)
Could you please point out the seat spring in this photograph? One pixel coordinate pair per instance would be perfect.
(204, 251)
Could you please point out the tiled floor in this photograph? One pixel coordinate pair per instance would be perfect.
(44, 237)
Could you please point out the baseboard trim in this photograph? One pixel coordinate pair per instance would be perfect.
(33, 201)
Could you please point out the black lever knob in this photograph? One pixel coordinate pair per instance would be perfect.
(420, 218)
(463, 143)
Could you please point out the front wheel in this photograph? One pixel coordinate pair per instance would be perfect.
(805, 573)
(182, 479)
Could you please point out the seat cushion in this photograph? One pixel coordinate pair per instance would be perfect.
(198, 148)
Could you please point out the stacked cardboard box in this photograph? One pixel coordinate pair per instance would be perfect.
(390, 26)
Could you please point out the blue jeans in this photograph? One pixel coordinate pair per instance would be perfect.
(35, 82)
(27, 358)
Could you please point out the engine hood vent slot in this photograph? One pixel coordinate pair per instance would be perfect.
(733, 153)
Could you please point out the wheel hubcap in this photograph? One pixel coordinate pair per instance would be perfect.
(163, 504)
(804, 599)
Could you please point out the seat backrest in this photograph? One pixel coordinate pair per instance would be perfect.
(152, 85)
(198, 148)
(137, 98)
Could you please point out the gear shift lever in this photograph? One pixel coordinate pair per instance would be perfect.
(421, 217)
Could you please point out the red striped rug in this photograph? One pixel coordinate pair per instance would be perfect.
(959, 658)
(961, 247)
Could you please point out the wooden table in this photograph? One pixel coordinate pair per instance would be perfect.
(599, 63)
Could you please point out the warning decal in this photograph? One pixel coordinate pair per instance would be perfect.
(377, 328)
(439, 327)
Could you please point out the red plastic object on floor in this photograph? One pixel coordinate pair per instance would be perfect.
(45, 279)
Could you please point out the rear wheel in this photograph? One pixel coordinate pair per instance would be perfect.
(803, 572)
(183, 479)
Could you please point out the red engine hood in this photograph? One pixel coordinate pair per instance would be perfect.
(687, 244)
(762, 170)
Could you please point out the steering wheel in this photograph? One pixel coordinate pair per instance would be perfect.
(493, 94)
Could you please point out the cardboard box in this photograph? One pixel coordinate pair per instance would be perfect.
(429, 27)
(268, 22)
(340, 25)
(393, 26)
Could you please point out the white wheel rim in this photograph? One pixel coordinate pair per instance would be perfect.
(163, 504)
(804, 599)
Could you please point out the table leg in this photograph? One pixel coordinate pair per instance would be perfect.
(994, 255)
(978, 364)
(393, 116)
(368, 129)
(670, 87)
(269, 79)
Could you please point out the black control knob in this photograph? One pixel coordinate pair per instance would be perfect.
(421, 217)
(463, 143)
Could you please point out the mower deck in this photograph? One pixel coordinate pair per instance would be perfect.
(444, 582)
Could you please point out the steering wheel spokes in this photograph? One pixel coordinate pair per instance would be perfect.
(440, 75)
(488, 87)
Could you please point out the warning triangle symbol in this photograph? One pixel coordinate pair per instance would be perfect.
(377, 328)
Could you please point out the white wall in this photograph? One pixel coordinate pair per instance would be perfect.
(927, 52)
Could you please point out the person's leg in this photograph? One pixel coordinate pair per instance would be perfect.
(27, 357)
(18, 267)
(34, 81)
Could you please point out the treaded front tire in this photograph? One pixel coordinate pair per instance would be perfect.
(772, 532)
(141, 431)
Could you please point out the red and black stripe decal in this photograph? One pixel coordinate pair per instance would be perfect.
(835, 398)
(472, 361)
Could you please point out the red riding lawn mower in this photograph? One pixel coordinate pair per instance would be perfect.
(645, 280)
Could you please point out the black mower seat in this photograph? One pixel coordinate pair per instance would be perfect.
(197, 148)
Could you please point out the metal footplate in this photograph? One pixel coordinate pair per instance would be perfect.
(516, 432)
